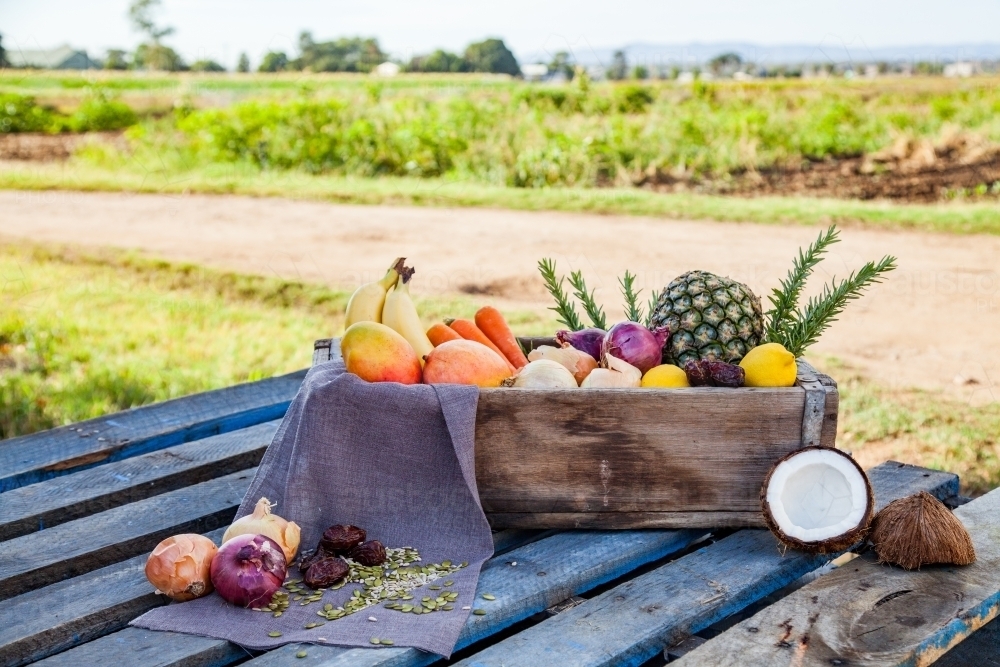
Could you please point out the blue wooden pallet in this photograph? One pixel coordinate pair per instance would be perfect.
(624, 596)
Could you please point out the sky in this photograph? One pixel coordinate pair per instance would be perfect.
(222, 29)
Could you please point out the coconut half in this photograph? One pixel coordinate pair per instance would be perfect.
(920, 530)
(817, 499)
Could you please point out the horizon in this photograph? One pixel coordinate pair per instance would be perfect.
(224, 29)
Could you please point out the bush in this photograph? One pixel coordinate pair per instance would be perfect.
(99, 114)
(20, 113)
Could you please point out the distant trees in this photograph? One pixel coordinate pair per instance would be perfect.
(347, 54)
(492, 55)
(152, 54)
(243, 65)
(619, 66)
(3, 54)
(274, 61)
(725, 63)
(206, 65)
(439, 61)
(562, 63)
(116, 59)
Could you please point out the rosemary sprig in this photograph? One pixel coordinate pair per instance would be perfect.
(633, 311)
(654, 298)
(785, 300)
(821, 311)
(594, 312)
(564, 308)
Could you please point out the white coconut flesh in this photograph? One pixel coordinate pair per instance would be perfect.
(817, 495)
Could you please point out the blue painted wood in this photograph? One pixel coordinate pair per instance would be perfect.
(871, 614)
(635, 621)
(46, 504)
(83, 545)
(133, 647)
(47, 620)
(34, 458)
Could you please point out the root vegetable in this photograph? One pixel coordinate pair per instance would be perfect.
(495, 327)
(441, 333)
(263, 522)
(180, 566)
(248, 570)
(468, 330)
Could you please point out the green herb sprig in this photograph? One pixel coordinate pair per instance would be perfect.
(594, 312)
(796, 328)
(564, 308)
(633, 311)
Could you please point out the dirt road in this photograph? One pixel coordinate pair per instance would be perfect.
(934, 324)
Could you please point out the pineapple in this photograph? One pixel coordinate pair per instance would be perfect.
(710, 317)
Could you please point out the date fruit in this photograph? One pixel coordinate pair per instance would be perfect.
(326, 572)
(368, 554)
(707, 373)
(340, 539)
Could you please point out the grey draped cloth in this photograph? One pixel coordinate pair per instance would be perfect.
(395, 460)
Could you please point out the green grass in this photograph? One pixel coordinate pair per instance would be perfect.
(952, 217)
(83, 333)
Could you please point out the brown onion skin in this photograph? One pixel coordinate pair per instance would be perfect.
(257, 562)
(182, 552)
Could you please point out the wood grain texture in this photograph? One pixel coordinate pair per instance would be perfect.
(634, 621)
(68, 613)
(135, 647)
(34, 458)
(83, 545)
(46, 504)
(871, 614)
(627, 520)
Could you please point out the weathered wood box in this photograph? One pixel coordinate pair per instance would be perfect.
(639, 458)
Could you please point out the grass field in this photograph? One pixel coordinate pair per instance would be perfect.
(83, 333)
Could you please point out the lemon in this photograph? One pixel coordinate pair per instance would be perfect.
(769, 365)
(665, 375)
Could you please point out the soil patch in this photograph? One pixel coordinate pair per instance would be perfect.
(49, 147)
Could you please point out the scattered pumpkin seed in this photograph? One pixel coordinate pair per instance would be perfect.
(407, 608)
(448, 607)
(301, 654)
(387, 642)
(375, 640)
(489, 596)
(479, 612)
(449, 582)
(434, 588)
(274, 633)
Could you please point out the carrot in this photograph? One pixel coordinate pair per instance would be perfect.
(439, 333)
(468, 330)
(494, 326)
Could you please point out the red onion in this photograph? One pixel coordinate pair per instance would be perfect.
(585, 340)
(248, 570)
(636, 344)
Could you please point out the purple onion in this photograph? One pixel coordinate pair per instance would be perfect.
(248, 570)
(635, 344)
(585, 340)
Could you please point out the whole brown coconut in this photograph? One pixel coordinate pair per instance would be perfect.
(920, 530)
(822, 486)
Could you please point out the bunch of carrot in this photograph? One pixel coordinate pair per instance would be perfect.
(489, 328)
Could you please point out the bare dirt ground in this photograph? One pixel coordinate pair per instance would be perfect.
(935, 324)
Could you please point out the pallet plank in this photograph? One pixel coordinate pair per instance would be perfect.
(34, 458)
(871, 614)
(55, 501)
(52, 619)
(79, 546)
(69, 613)
(148, 648)
(573, 562)
(634, 621)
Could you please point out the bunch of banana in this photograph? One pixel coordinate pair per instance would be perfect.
(388, 301)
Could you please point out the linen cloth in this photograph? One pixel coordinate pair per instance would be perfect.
(395, 460)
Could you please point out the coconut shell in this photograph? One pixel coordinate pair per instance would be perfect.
(834, 544)
(920, 530)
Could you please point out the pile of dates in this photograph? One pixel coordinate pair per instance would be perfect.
(707, 373)
(326, 566)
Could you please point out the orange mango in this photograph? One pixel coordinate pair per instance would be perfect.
(376, 353)
(465, 362)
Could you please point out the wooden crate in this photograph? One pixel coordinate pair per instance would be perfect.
(639, 458)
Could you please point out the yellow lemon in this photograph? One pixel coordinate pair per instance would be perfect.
(665, 375)
(769, 365)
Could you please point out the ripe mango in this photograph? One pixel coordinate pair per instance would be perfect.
(465, 362)
(376, 353)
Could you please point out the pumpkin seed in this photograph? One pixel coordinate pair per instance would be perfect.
(375, 640)
(489, 596)
(328, 606)
(387, 642)
(405, 597)
(434, 588)
(465, 563)
(406, 608)
(479, 612)
(448, 607)
(449, 583)
(301, 654)
(276, 614)
(310, 626)
(274, 633)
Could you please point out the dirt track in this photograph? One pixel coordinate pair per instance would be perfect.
(936, 320)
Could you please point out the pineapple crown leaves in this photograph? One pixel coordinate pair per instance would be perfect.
(633, 311)
(594, 312)
(821, 311)
(564, 308)
(784, 301)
